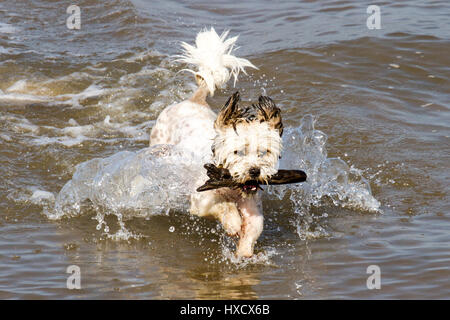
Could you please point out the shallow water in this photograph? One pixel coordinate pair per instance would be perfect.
(366, 115)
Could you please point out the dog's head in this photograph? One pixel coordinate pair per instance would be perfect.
(248, 141)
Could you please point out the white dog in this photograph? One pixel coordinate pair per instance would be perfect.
(245, 141)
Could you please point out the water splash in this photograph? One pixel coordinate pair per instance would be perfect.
(262, 258)
(158, 179)
(331, 181)
(328, 178)
(130, 184)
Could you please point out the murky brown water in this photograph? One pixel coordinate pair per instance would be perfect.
(380, 97)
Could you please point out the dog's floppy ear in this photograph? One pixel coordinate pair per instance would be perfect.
(269, 112)
(226, 115)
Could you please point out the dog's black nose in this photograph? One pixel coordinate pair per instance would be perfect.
(254, 172)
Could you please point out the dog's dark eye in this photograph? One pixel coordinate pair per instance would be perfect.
(240, 153)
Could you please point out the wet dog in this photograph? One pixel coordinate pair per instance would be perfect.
(246, 150)
(245, 141)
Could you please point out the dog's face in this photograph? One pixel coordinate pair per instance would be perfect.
(248, 141)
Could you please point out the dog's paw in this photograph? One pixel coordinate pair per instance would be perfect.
(244, 251)
(232, 223)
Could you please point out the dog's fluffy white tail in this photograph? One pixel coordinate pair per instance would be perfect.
(213, 57)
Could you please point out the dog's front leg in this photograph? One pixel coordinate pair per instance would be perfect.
(211, 203)
(228, 215)
(252, 226)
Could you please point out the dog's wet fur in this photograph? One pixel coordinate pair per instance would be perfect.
(248, 141)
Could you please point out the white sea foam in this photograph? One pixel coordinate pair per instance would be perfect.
(40, 196)
(18, 86)
(22, 98)
(75, 134)
(24, 92)
(7, 28)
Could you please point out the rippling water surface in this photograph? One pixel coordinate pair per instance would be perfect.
(366, 115)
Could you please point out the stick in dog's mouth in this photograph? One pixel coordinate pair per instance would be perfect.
(221, 178)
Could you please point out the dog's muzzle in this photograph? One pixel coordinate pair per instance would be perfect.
(251, 186)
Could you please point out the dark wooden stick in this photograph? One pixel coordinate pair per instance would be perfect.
(287, 176)
(221, 178)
